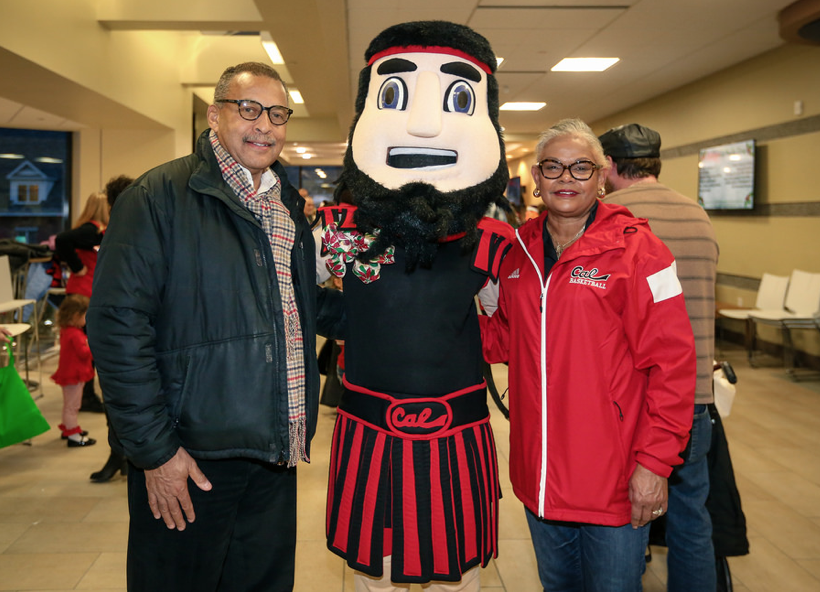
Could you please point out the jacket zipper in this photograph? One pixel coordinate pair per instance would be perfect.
(262, 261)
(542, 484)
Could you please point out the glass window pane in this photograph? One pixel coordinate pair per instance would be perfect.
(35, 170)
(320, 181)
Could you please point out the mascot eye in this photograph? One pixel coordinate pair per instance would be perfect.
(460, 98)
(393, 94)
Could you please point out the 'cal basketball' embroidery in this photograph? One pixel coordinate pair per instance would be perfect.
(593, 277)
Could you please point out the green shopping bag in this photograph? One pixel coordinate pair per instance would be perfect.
(20, 419)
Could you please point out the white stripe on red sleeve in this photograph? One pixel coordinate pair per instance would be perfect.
(665, 284)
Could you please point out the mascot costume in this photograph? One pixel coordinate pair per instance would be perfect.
(413, 492)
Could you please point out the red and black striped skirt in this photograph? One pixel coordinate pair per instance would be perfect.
(415, 478)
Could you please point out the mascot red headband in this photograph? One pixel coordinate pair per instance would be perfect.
(430, 49)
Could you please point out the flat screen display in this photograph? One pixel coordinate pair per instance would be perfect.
(726, 176)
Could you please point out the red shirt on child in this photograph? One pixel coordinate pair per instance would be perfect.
(74, 366)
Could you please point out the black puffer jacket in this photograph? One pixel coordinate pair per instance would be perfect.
(186, 321)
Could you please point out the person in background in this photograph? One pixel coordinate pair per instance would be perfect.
(77, 248)
(115, 186)
(531, 213)
(116, 461)
(633, 155)
(331, 360)
(74, 367)
(310, 205)
(203, 324)
(592, 323)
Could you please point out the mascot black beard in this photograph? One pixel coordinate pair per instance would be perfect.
(413, 492)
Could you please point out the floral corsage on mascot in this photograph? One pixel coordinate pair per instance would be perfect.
(413, 492)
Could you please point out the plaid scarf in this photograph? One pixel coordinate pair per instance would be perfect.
(273, 215)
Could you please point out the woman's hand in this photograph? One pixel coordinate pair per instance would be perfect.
(82, 272)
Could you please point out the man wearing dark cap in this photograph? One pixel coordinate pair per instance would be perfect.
(633, 152)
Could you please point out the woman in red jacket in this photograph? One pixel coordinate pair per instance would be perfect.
(77, 248)
(592, 322)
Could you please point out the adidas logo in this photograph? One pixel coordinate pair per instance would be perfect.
(515, 275)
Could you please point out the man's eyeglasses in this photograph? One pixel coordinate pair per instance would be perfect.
(251, 110)
(581, 170)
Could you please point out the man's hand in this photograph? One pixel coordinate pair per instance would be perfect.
(167, 488)
(648, 494)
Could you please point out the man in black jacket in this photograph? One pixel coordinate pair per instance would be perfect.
(203, 326)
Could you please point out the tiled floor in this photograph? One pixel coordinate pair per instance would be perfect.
(59, 531)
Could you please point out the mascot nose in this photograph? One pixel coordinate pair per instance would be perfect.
(425, 110)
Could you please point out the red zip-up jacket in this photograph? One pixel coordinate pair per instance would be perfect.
(601, 366)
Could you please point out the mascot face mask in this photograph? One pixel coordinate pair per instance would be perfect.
(425, 119)
(426, 156)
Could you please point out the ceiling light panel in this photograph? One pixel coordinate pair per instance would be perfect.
(522, 106)
(584, 64)
(271, 48)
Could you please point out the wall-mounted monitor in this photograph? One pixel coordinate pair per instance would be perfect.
(514, 191)
(726, 176)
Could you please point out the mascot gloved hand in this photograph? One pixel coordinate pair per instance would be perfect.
(413, 492)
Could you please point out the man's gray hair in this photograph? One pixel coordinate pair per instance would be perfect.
(255, 68)
(573, 128)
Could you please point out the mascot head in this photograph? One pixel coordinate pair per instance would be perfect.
(425, 157)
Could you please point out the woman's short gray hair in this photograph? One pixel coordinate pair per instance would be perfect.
(574, 128)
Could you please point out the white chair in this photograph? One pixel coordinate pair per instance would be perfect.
(11, 305)
(771, 296)
(801, 311)
(45, 302)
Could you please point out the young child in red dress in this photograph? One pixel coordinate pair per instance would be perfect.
(74, 368)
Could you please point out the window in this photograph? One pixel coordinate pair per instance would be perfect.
(320, 181)
(25, 234)
(23, 193)
(35, 181)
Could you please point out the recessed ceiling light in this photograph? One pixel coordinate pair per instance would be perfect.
(498, 62)
(48, 160)
(12, 156)
(522, 106)
(307, 156)
(271, 48)
(296, 96)
(584, 64)
(301, 150)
